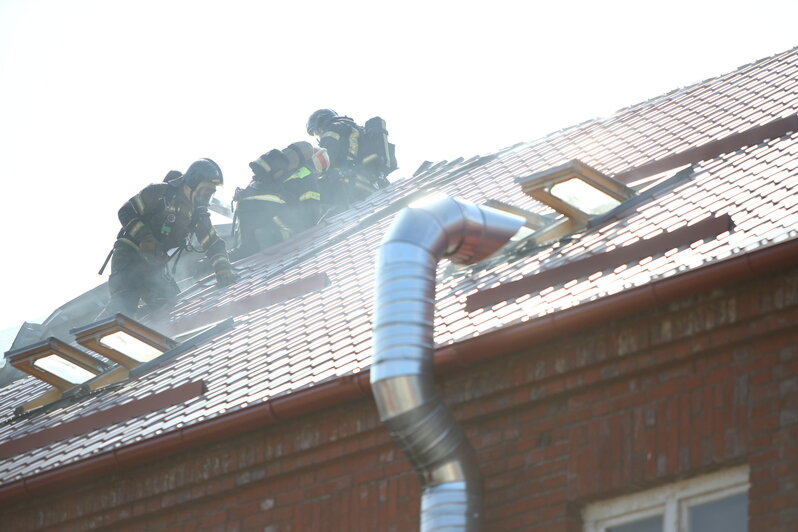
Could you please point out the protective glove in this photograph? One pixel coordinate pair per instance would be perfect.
(226, 277)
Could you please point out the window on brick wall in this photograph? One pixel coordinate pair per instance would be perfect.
(717, 502)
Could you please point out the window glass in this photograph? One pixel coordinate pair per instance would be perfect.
(724, 515)
(130, 346)
(63, 368)
(715, 502)
(584, 197)
(649, 524)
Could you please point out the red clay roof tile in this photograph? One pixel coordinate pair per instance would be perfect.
(291, 344)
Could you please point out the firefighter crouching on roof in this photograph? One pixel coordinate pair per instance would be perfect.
(360, 157)
(282, 200)
(160, 218)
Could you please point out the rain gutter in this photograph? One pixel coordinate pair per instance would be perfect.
(508, 339)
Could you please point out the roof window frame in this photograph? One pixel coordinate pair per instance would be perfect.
(91, 337)
(540, 185)
(113, 376)
(24, 359)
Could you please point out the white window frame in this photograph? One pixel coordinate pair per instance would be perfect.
(673, 501)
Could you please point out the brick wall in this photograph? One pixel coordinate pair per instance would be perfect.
(702, 384)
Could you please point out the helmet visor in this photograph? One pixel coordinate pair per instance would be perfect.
(203, 194)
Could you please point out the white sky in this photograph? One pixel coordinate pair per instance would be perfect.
(100, 98)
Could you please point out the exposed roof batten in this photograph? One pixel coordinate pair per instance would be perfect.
(774, 129)
(82, 425)
(708, 228)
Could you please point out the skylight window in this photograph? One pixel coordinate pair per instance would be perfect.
(584, 197)
(69, 371)
(123, 340)
(577, 191)
(130, 346)
(56, 363)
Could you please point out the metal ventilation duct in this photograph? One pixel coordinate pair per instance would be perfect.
(402, 368)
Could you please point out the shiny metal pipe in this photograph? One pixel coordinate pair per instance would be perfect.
(402, 366)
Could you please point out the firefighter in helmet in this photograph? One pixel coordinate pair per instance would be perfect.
(160, 218)
(282, 199)
(360, 157)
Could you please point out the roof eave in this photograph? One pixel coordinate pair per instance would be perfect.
(467, 352)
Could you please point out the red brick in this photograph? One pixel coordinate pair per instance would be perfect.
(662, 413)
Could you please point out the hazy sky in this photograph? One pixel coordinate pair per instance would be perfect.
(100, 98)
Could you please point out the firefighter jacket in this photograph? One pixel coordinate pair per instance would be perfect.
(357, 167)
(291, 177)
(359, 150)
(166, 213)
(341, 139)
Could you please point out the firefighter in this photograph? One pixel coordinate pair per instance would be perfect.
(282, 199)
(160, 218)
(360, 157)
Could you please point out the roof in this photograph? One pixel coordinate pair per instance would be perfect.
(302, 309)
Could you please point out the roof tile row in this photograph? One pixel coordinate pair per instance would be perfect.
(297, 343)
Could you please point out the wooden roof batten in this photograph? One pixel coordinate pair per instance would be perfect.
(709, 150)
